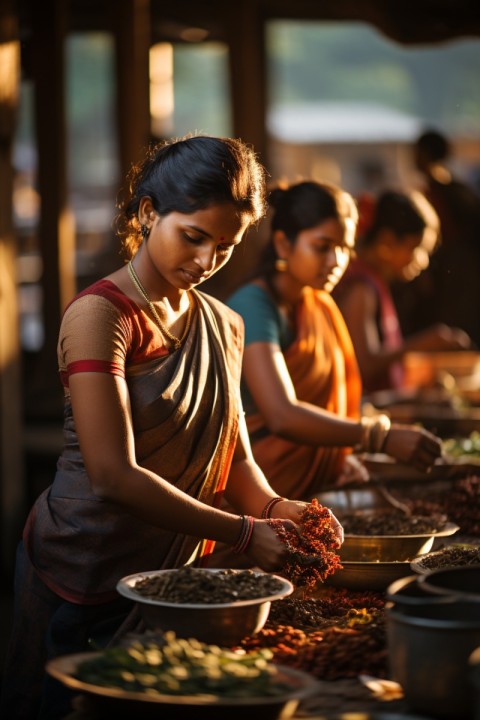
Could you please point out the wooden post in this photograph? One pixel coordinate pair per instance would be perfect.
(131, 26)
(246, 44)
(56, 227)
(246, 41)
(12, 499)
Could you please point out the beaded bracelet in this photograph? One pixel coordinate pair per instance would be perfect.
(267, 510)
(245, 535)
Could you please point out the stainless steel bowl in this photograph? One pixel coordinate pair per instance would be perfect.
(368, 575)
(220, 624)
(390, 548)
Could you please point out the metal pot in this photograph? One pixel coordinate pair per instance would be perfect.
(461, 582)
(428, 649)
(474, 663)
(408, 592)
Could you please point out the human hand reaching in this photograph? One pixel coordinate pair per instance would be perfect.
(353, 471)
(439, 337)
(413, 446)
(265, 547)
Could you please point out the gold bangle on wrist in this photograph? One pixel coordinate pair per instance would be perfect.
(374, 433)
(380, 431)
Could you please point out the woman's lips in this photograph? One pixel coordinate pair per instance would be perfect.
(193, 277)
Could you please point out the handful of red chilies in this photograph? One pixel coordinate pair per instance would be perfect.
(312, 555)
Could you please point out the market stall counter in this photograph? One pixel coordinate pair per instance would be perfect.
(330, 640)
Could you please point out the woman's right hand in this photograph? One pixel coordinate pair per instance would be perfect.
(265, 547)
(413, 446)
(439, 337)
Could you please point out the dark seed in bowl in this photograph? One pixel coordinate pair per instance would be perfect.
(391, 523)
(451, 556)
(194, 585)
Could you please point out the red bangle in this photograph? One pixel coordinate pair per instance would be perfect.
(267, 510)
(245, 535)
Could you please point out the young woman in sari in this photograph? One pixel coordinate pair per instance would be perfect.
(154, 431)
(399, 232)
(301, 385)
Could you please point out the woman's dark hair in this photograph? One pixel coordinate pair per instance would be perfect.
(189, 174)
(302, 206)
(434, 146)
(402, 213)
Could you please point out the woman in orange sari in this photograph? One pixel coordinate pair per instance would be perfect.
(301, 385)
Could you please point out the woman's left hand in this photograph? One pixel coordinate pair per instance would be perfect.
(353, 471)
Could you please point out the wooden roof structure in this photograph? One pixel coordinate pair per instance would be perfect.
(32, 36)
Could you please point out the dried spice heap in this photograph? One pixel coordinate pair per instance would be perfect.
(332, 653)
(391, 523)
(460, 501)
(195, 585)
(335, 607)
(312, 555)
(451, 556)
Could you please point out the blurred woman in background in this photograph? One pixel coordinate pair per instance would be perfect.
(301, 385)
(397, 234)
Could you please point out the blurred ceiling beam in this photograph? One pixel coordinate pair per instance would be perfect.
(408, 22)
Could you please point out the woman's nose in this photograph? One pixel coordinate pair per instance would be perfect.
(206, 257)
(422, 258)
(337, 257)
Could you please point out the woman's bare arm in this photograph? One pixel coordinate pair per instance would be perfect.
(101, 410)
(102, 416)
(271, 387)
(359, 307)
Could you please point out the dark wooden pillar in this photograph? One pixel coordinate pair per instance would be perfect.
(12, 498)
(246, 41)
(56, 228)
(131, 26)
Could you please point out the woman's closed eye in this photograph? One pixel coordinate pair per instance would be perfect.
(222, 249)
(193, 240)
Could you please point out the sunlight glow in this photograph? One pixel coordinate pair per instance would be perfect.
(161, 88)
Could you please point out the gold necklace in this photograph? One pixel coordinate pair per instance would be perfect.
(141, 290)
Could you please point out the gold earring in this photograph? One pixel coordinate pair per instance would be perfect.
(281, 264)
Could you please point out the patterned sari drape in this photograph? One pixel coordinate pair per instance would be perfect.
(185, 415)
